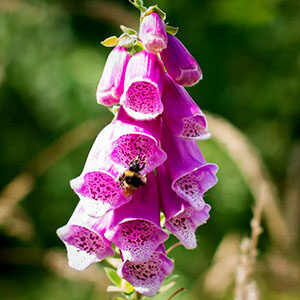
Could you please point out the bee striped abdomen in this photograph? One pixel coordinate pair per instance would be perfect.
(132, 178)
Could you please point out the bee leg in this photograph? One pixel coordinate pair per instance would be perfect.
(120, 179)
(143, 180)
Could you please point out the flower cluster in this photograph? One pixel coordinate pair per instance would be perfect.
(144, 162)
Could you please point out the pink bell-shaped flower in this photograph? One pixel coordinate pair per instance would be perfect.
(84, 239)
(135, 139)
(97, 186)
(143, 86)
(182, 219)
(111, 84)
(181, 113)
(146, 277)
(191, 175)
(179, 63)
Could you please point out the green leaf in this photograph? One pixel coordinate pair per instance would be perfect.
(128, 30)
(139, 2)
(113, 276)
(156, 9)
(118, 298)
(172, 30)
(111, 41)
(138, 47)
(127, 287)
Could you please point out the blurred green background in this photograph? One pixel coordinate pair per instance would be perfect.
(50, 64)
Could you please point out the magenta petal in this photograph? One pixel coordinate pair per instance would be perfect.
(146, 277)
(143, 86)
(182, 219)
(97, 186)
(181, 114)
(135, 226)
(179, 63)
(153, 33)
(191, 175)
(131, 141)
(84, 239)
(184, 224)
(111, 84)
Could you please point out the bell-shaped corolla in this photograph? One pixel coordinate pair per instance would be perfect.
(179, 63)
(111, 84)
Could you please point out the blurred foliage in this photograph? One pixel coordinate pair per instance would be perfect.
(50, 64)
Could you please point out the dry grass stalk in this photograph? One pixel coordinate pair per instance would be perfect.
(292, 195)
(255, 174)
(56, 261)
(24, 183)
(245, 285)
(218, 278)
(19, 224)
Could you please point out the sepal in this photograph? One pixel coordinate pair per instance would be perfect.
(111, 41)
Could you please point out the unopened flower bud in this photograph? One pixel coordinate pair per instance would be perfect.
(153, 33)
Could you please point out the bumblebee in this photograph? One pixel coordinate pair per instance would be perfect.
(131, 179)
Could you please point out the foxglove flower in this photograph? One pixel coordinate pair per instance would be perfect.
(179, 63)
(182, 219)
(181, 114)
(146, 160)
(146, 277)
(111, 84)
(132, 139)
(143, 86)
(84, 239)
(153, 33)
(97, 186)
(135, 226)
(191, 175)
